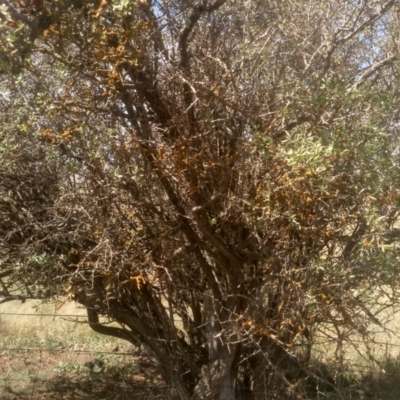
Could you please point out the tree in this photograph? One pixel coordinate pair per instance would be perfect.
(218, 177)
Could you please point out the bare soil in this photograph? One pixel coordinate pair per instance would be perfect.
(70, 376)
(47, 353)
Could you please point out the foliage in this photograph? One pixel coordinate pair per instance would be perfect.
(384, 382)
(221, 178)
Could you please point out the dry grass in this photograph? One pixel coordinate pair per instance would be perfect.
(44, 355)
(35, 325)
(382, 343)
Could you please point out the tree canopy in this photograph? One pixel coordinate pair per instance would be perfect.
(219, 177)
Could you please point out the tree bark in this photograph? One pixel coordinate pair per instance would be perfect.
(260, 383)
(217, 381)
(228, 388)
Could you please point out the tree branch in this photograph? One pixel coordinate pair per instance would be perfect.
(370, 21)
(372, 70)
(6, 272)
(94, 323)
(21, 298)
(392, 235)
(192, 19)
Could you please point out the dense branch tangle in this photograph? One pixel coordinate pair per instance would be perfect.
(201, 173)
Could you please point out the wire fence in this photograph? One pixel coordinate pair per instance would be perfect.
(43, 369)
(36, 364)
(38, 373)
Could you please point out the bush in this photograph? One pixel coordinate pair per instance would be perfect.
(385, 383)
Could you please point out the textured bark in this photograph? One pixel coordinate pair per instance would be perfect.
(179, 385)
(227, 389)
(260, 391)
(217, 382)
(210, 385)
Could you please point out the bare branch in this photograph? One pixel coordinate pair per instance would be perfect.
(6, 272)
(373, 69)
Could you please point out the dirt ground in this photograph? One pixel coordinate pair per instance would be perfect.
(47, 353)
(77, 375)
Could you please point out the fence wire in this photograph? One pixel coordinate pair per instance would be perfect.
(39, 372)
(74, 373)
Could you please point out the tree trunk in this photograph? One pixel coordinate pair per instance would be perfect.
(227, 389)
(260, 383)
(217, 381)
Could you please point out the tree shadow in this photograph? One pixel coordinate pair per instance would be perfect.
(113, 384)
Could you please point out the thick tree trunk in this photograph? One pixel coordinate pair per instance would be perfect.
(169, 373)
(227, 389)
(217, 382)
(260, 391)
